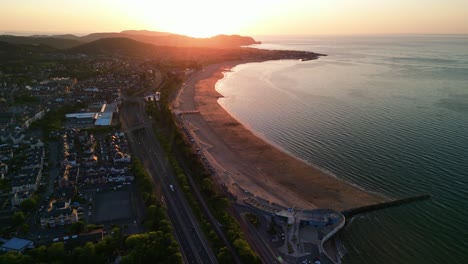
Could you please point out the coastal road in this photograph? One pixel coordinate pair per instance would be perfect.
(146, 147)
(214, 222)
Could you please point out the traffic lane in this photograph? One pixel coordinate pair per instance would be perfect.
(184, 244)
(178, 229)
(145, 137)
(175, 197)
(177, 219)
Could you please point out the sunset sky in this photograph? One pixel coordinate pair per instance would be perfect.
(247, 17)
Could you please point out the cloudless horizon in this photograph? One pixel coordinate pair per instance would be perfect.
(205, 18)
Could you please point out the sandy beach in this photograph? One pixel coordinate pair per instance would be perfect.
(241, 158)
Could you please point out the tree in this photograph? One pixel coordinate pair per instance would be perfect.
(245, 252)
(39, 254)
(77, 227)
(207, 186)
(28, 205)
(18, 218)
(56, 252)
(224, 256)
(15, 258)
(220, 204)
(152, 247)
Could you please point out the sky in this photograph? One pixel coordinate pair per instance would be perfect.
(204, 18)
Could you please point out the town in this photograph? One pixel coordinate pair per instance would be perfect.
(93, 157)
(58, 176)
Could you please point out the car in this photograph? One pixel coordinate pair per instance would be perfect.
(89, 213)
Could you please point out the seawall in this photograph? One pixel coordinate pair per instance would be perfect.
(379, 206)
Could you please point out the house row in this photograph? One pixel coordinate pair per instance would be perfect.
(58, 214)
(25, 182)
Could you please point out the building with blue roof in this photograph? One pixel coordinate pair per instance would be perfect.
(16, 244)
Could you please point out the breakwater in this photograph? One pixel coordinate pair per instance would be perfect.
(379, 206)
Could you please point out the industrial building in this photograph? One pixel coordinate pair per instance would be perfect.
(88, 119)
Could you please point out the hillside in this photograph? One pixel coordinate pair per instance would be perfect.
(153, 37)
(54, 42)
(168, 39)
(205, 55)
(108, 46)
(16, 51)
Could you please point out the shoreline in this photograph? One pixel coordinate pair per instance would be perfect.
(242, 158)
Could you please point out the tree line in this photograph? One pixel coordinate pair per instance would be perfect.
(175, 146)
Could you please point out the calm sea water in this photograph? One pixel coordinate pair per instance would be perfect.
(387, 113)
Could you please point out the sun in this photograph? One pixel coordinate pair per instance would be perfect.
(199, 27)
(201, 18)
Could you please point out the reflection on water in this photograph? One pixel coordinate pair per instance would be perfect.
(386, 113)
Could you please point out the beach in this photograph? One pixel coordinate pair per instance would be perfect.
(243, 159)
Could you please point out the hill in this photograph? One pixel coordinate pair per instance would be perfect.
(152, 37)
(205, 55)
(108, 46)
(54, 42)
(145, 32)
(168, 39)
(14, 51)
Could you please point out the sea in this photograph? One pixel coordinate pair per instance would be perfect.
(388, 113)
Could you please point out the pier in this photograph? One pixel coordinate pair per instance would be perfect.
(379, 206)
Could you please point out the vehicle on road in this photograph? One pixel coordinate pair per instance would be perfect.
(172, 187)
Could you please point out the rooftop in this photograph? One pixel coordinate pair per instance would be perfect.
(16, 244)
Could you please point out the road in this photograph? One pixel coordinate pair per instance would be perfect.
(146, 147)
(214, 222)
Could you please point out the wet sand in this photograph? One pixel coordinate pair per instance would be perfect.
(243, 159)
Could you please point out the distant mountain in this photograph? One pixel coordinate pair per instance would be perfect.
(152, 37)
(145, 33)
(59, 43)
(105, 46)
(168, 39)
(65, 36)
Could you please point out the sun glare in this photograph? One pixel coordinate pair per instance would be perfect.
(198, 27)
(203, 18)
